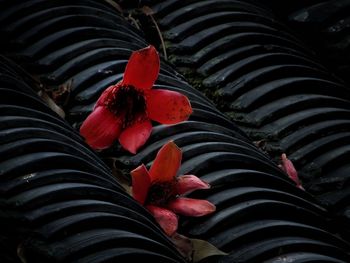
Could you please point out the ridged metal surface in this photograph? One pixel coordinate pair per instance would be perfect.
(59, 202)
(269, 83)
(257, 205)
(324, 25)
(88, 56)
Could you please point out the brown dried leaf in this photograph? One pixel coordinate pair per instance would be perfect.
(60, 94)
(147, 10)
(52, 105)
(203, 249)
(194, 250)
(184, 245)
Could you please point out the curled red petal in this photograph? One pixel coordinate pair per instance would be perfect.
(290, 170)
(136, 135)
(101, 128)
(166, 163)
(141, 182)
(188, 183)
(168, 107)
(191, 207)
(142, 69)
(167, 219)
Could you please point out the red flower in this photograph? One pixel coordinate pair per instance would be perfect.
(124, 111)
(160, 189)
(288, 167)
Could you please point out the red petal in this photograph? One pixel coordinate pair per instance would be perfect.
(191, 207)
(136, 135)
(101, 128)
(166, 219)
(290, 170)
(168, 107)
(141, 182)
(142, 69)
(189, 183)
(166, 164)
(105, 94)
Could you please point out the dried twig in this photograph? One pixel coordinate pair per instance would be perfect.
(133, 20)
(149, 12)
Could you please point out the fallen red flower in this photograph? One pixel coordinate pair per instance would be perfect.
(124, 111)
(160, 190)
(288, 167)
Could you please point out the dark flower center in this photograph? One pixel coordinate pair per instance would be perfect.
(129, 103)
(161, 193)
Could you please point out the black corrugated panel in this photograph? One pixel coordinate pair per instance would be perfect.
(269, 83)
(260, 213)
(59, 202)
